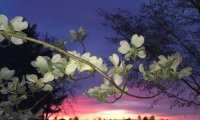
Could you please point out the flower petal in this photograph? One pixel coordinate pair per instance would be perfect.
(48, 77)
(71, 67)
(56, 58)
(154, 67)
(3, 22)
(114, 59)
(32, 78)
(141, 68)
(124, 47)
(141, 54)
(177, 59)
(73, 35)
(84, 67)
(185, 72)
(117, 78)
(129, 66)
(162, 60)
(6, 73)
(96, 61)
(81, 31)
(16, 41)
(47, 87)
(137, 40)
(19, 24)
(86, 56)
(128, 56)
(41, 62)
(57, 73)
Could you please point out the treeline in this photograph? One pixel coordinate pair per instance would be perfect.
(152, 117)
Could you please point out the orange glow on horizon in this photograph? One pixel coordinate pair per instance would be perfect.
(105, 114)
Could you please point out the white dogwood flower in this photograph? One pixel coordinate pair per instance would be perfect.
(115, 71)
(135, 49)
(165, 68)
(48, 77)
(100, 92)
(73, 64)
(16, 24)
(42, 82)
(98, 62)
(78, 36)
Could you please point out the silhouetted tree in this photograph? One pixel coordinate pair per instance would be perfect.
(76, 118)
(128, 118)
(152, 117)
(62, 119)
(145, 118)
(139, 117)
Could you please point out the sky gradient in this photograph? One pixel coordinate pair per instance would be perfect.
(57, 17)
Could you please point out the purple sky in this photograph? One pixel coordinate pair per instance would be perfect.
(58, 16)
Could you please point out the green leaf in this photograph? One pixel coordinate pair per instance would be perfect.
(33, 87)
(47, 87)
(15, 85)
(21, 90)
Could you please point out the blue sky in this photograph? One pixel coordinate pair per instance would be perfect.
(57, 17)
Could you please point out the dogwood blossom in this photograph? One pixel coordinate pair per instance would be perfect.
(75, 64)
(16, 24)
(41, 63)
(115, 71)
(42, 82)
(133, 50)
(165, 68)
(48, 77)
(79, 36)
(58, 65)
(100, 92)
(119, 69)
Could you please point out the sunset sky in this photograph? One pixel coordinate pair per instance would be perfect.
(57, 17)
(87, 108)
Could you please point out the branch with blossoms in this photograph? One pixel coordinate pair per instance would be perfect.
(70, 65)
